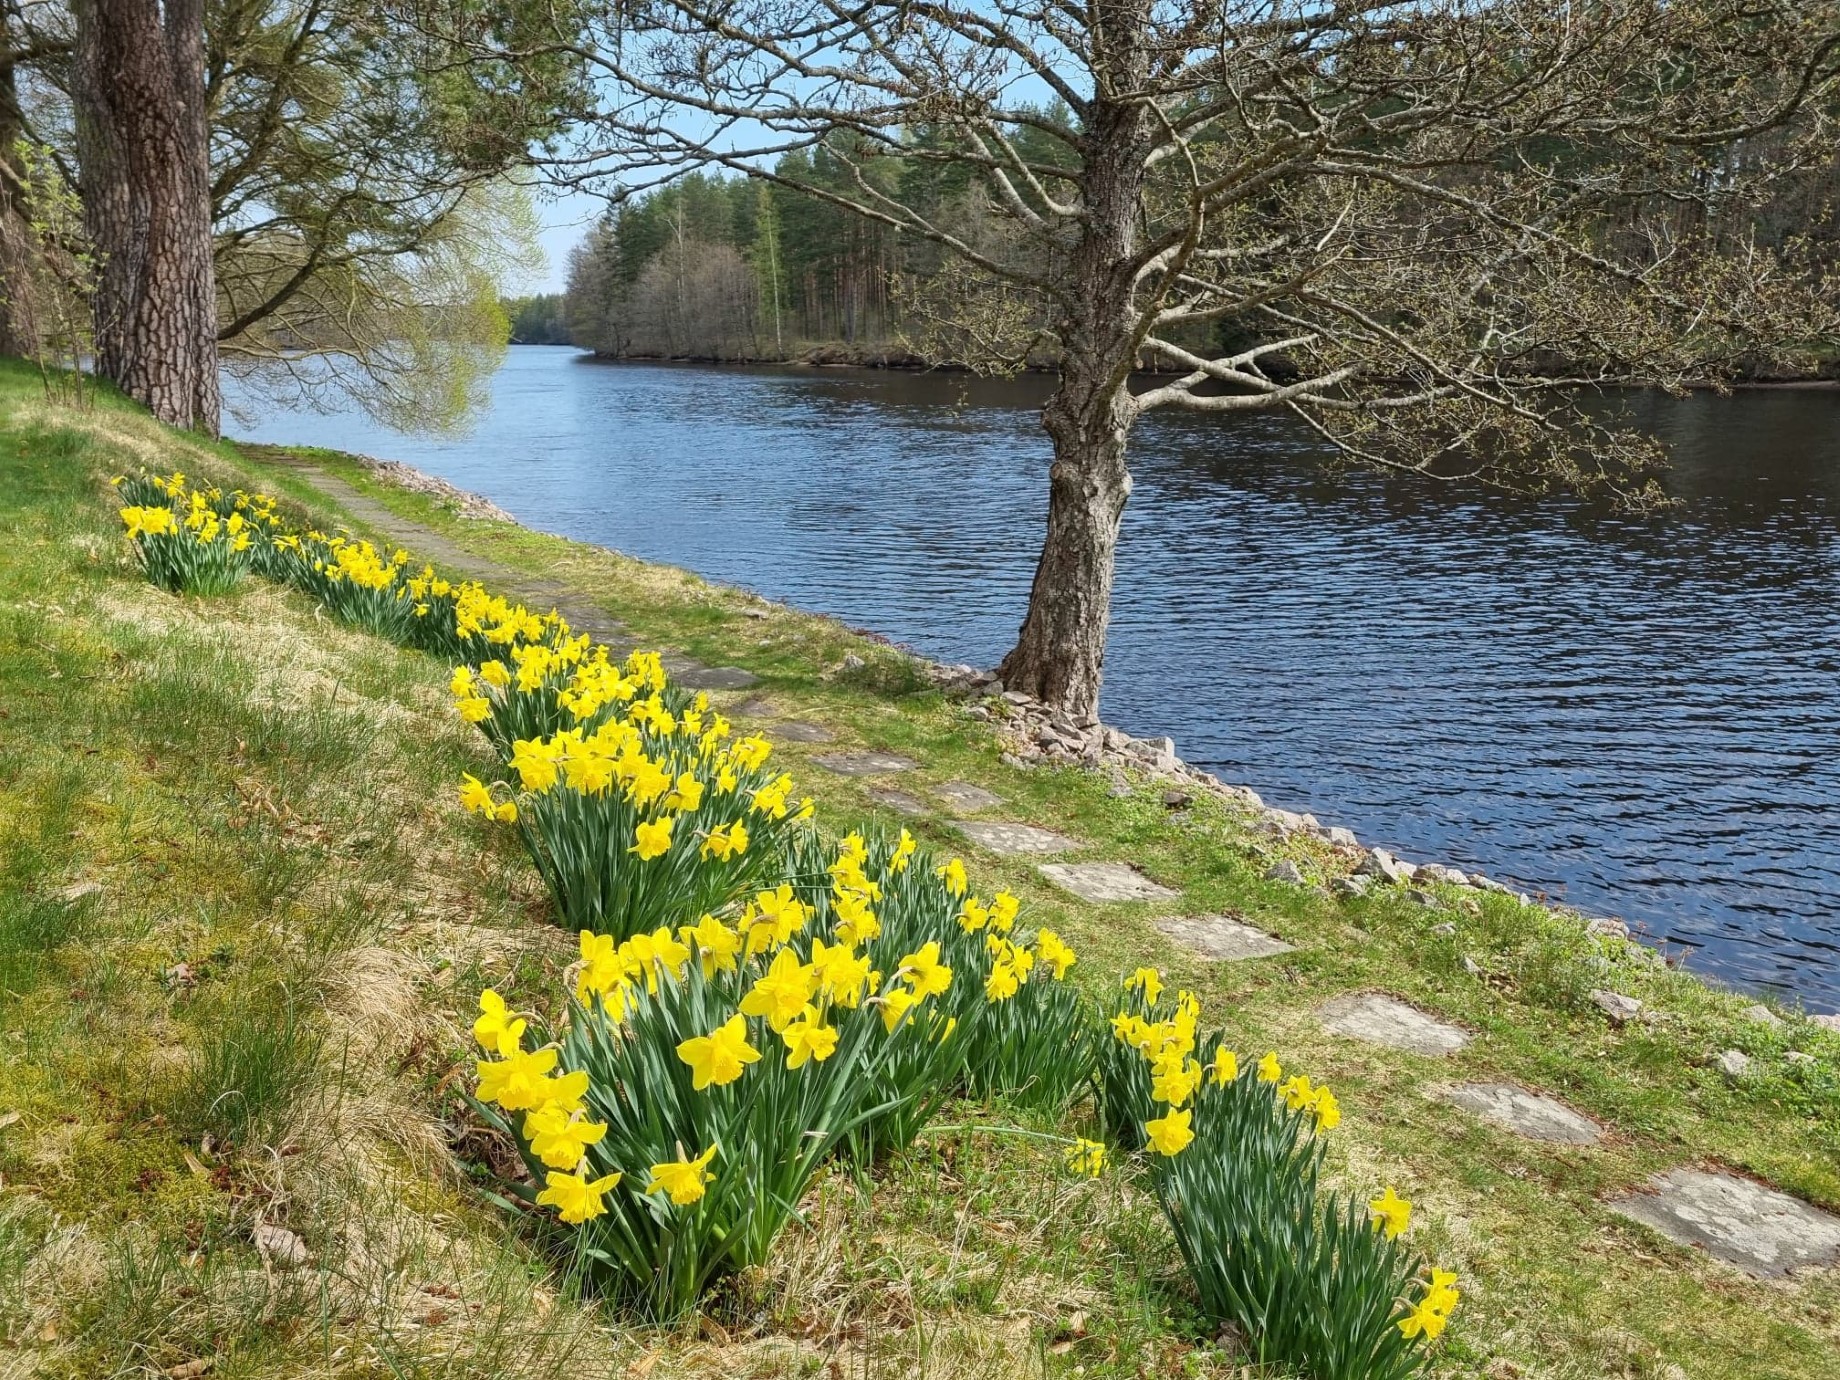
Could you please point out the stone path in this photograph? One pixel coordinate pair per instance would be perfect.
(798, 731)
(1104, 882)
(963, 795)
(863, 763)
(1759, 1230)
(1221, 937)
(429, 545)
(1377, 1019)
(1525, 1113)
(1008, 840)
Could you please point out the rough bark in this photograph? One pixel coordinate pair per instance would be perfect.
(1059, 656)
(17, 336)
(143, 142)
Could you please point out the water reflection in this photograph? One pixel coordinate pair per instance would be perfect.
(1633, 713)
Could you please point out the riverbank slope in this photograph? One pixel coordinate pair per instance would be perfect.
(231, 830)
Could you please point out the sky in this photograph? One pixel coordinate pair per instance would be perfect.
(565, 220)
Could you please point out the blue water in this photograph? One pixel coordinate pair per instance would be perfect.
(1637, 716)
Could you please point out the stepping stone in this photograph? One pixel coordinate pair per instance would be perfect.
(1102, 882)
(897, 800)
(1221, 937)
(717, 678)
(1008, 840)
(962, 795)
(1742, 1223)
(798, 731)
(1525, 1113)
(754, 708)
(1379, 1019)
(863, 763)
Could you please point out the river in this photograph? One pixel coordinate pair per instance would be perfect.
(1638, 716)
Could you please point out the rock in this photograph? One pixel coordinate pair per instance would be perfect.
(1379, 1019)
(1828, 1021)
(1523, 1112)
(1349, 886)
(1177, 800)
(1801, 1060)
(1762, 1015)
(279, 1246)
(1010, 840)
(1286, 871)
(79, 891)
(1606, 928)
(1734, 1063)
(799, 731)
(1164, 746)
(978, 712)
(1009, 759)
(852, 662)
(964, 795)
(1476, 879)
(1103, 882)
(1423, 898)
(1445, 930)
(1017, 698)
(1454, 877)
(720, 678)
(1615, 1005)
(1121, 786)
(1470, 966)
(1114, 741)
(1340, 837)
(898, 800)
(1222, 937)
(1742, 1223)
(1288, 822)
(1386, 867)
(863, 763)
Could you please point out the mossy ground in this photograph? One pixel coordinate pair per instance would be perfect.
(260, 1017)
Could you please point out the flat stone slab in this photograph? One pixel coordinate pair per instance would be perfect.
(798, 731)
(717, 678)
(962, 795)
(1742, 1223)
(754, 707)
(1221, 937)
(863, 763)
(1104, 882)
(1523, 1112)
(897, 800)
(1378, 1019)
(1008, 840)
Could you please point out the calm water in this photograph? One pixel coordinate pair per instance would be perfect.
(1637, 716)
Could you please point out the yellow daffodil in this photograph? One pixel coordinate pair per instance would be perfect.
(685, 1180)
(1086, 1157)
(780, 994)
(474, 796)
(1270, 1070)
(575, 1197)
(903, 852)
(1170, 1134)
(953, 875)
(495, 673)
(1148, 981)
(924, 972)
(1328, 1111)
(895, 1003)
(1003, 911)
(1053, 951)
(652, 838)
(720, 1057)
(1392, 1213)
(716, 944)
(808, 1038)
(558, 1138)
(1226, 1066)
(496, 1021)
(1003, 983)
(1174, 1079)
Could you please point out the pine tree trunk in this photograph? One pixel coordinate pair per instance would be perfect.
(18, 335)
(142, 139)
(1059, 656)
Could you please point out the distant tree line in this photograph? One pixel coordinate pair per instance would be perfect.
(537, 320)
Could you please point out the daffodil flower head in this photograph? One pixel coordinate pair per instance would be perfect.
(684, 1180)
(1392, 1214)
(1086, 1157)
(575, 1197)
(1172, 1133)
(720, 1057)
(1148, 981)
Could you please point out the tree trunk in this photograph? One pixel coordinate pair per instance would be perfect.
(142, 138)
(1059, 656)
(18, 335)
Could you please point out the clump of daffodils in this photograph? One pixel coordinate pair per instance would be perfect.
(1235, 1149)
(191, 540)
(702, 1072)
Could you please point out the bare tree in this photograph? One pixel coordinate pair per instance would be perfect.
(1413, 226)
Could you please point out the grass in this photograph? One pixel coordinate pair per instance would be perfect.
(260, 1018)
